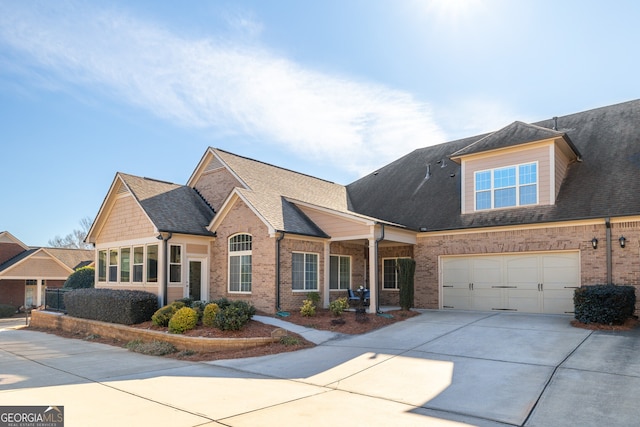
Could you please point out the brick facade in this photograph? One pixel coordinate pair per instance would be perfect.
(391, 297)
(241, 219)
(216, 185)
(12, 292)
(593, 262)
(9, 250)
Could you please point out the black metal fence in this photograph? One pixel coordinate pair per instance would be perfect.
(54, 299)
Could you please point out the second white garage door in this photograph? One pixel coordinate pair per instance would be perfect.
(531, 283)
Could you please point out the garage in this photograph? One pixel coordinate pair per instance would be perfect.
(530, 283)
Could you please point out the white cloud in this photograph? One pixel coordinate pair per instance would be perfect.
(476, 115)
(219, 85)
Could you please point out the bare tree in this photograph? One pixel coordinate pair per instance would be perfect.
(74, 240)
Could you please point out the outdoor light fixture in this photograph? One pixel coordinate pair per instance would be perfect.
(622, 241)
(594, 243)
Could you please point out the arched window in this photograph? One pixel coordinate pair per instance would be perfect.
(240, 263)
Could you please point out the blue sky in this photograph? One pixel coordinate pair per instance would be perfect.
(334, 89)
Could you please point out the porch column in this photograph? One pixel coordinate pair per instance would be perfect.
(373, 276)
(39, 293)
(327, 274)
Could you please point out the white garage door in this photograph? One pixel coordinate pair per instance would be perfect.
(531, 283)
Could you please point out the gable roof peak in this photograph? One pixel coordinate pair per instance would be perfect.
(228, 153)
(516, 133)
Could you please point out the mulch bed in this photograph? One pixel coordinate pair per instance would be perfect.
(323, 320)
(628, 325)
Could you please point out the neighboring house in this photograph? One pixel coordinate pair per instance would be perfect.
(511, 220)
(26, 271)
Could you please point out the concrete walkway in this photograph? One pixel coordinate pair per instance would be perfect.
(442, 368)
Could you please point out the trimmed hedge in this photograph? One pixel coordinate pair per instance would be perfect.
(604, 304)
(111, 305)
(81, 278)
(7, 310)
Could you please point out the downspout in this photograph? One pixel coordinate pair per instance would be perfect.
(607, 222)
(165, 280)
(377, 278)
(278, 240)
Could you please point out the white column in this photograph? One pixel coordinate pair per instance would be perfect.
(373, 276)
(327, 273)
(39, 293)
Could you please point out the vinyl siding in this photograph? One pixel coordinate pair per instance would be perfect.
(538, 154)
(125, 219)
(336, 226)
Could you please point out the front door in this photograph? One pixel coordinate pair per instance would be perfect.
(195, 280)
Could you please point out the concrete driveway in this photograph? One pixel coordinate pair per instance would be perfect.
(442, 368)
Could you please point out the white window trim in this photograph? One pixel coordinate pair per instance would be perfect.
(176, 263)
(350, 272)
(143, 264)
(517, 187)
(397, 287)
(120, 265)
(106, 266)
(317, 288)
(117, 265)
(238, 254)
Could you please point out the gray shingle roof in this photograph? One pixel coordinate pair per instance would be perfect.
(270, 188)
(605, 183)
(516, 133)
(171, 207)
(72, 258)
(16, 259)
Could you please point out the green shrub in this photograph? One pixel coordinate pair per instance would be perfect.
(82, 278)
(222, 302)
(162, 316)
(153, 348)
(199, 306)
(605, 304)
(111, 305)
(314, 297)
(289, 340)
(406, 272)
(209, 314)
(338, 306)
(308, 308)
(186, 302)
(183, 320)
(234, 316)
(7, 310)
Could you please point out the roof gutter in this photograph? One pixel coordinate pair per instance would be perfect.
(607, 222)
(278, 240)
(377, 274)
(165, 274)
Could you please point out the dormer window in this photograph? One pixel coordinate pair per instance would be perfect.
(506, 187)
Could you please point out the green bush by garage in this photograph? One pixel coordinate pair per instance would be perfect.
(604, 304)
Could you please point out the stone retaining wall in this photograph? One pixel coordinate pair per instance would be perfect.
(58, 321)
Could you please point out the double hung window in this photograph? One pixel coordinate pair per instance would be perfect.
(304, 271)
(125, 269)
(113, 265)
(175, 264)
(240, 247)
(339, 272)
(506, 187)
